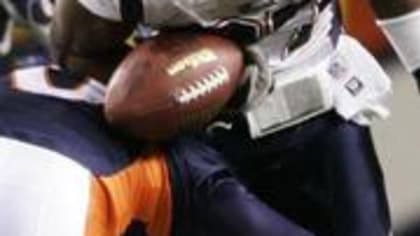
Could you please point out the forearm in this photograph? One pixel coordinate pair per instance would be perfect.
(75, 31)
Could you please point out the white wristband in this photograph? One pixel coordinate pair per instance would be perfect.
(403, 33)
(108, 9)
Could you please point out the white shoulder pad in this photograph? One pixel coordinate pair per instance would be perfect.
(108, 9)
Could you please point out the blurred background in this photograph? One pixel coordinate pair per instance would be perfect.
(398, 138)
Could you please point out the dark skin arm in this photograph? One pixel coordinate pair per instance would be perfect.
(392, 8)
(85, 43)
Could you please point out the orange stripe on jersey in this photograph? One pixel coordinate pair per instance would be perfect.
(142, 191)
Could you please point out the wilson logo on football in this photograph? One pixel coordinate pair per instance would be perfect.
(192, 61)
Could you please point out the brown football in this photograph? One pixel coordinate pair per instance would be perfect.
(173, 83)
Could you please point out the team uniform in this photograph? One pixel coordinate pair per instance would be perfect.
(301, 139)
(64, 172)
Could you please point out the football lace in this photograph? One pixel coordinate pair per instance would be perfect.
(217, 78)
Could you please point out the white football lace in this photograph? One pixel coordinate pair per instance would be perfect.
(205, 85)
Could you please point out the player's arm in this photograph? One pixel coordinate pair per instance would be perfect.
(78, 31)
(400, 20)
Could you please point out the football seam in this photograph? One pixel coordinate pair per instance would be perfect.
(206, 85)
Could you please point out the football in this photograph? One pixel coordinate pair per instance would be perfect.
(173, 83)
